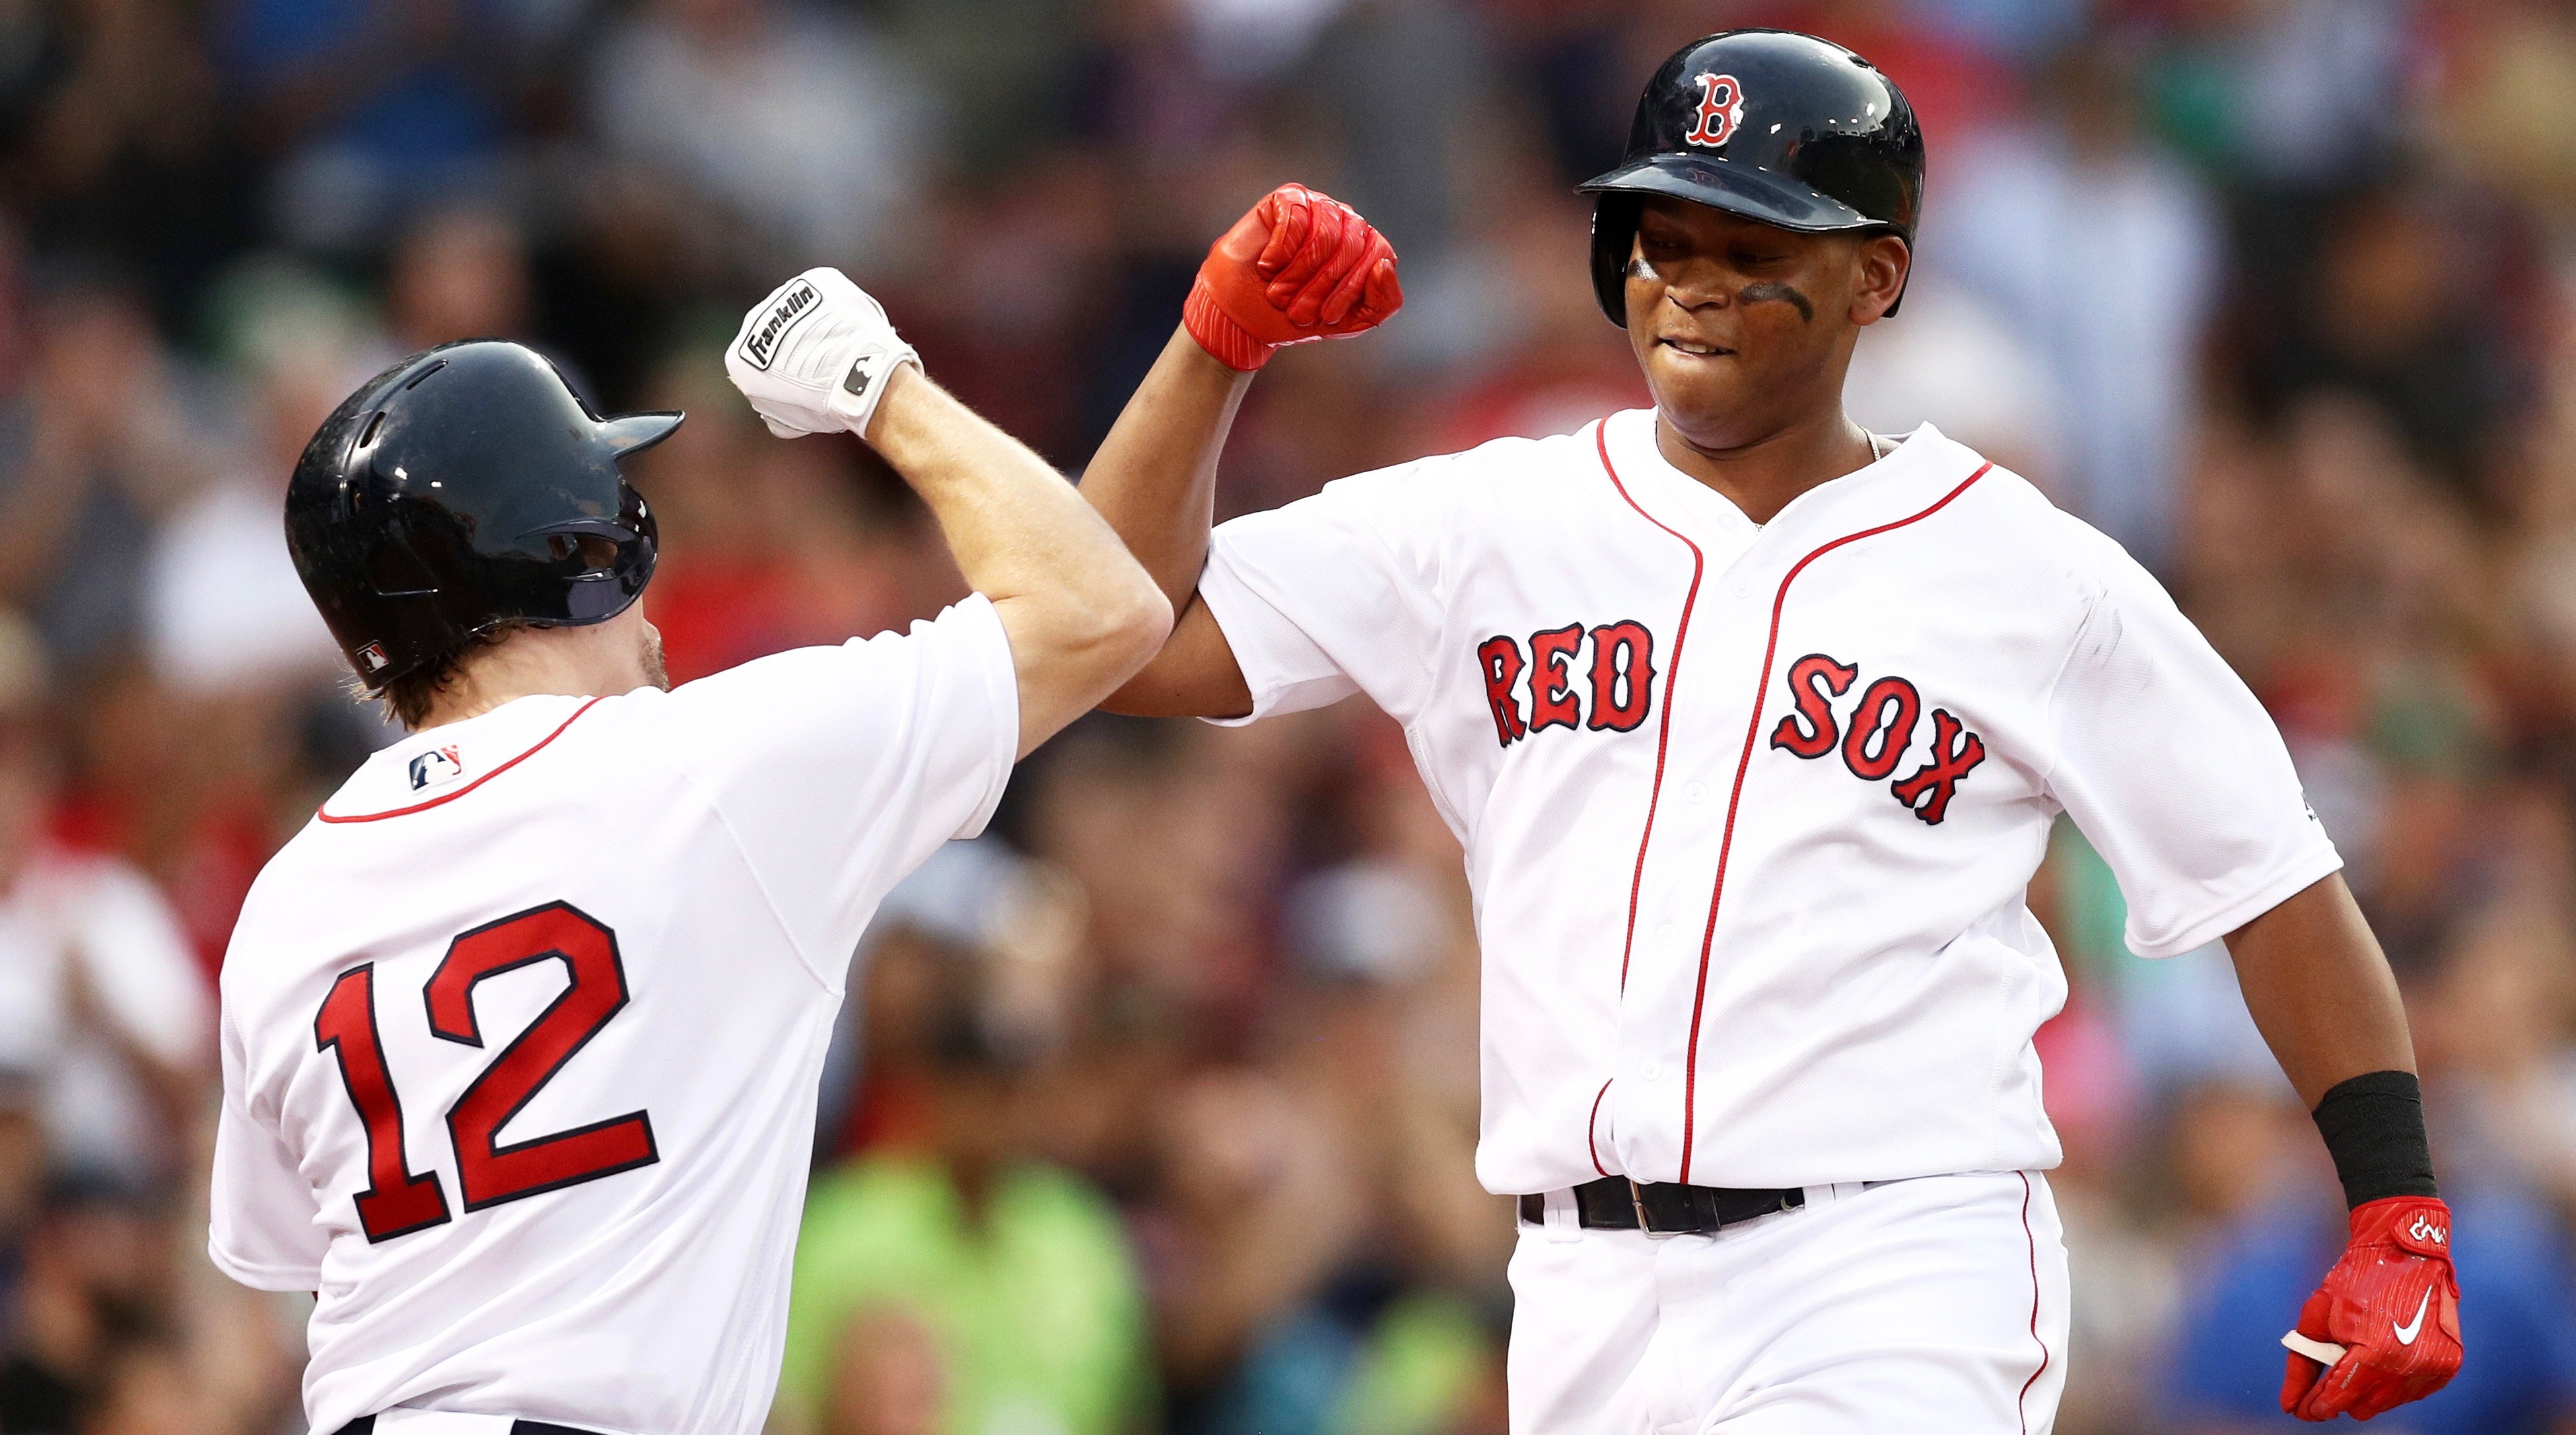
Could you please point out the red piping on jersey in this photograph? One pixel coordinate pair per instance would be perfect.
(469, 787)
(2020, 1404)
(1726, 839)
(1663, 726)
(1591, 1124)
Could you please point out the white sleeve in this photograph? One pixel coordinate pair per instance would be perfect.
(261, 1229)
(838, 770)
(2174, 772)
(1335, 594)
(140, 969)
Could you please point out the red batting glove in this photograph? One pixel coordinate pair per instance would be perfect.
(1300, 267)
(2393, 1304)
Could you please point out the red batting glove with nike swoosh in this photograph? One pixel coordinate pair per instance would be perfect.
(2393, 1304)
(1301, 266)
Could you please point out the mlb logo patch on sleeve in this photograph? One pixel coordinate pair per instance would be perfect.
(436, 768)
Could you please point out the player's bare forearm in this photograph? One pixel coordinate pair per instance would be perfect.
(2322, 993)
(1154, 478)
(1154, 481)
(2320, 990)
(1082, 616)
(1297, 268)
(1195, 675)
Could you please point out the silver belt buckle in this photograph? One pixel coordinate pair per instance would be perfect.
(1637, 1203)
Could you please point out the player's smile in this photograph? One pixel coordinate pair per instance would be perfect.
(1696, 348)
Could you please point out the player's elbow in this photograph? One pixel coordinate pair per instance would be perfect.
(1142, 623)
(1120, 625)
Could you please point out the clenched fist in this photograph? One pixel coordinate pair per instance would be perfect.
(815, 355)
(1301, 266)
(2393, 1304)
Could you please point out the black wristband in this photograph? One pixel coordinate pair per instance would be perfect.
(2374, 1128)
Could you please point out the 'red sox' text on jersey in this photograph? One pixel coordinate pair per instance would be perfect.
(1749, 811)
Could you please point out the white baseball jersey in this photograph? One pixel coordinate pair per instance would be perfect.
(1749, 811)
(521, 1035)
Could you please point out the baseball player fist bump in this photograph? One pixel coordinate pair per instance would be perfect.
(2393, 1304)
(815, 356)
(1301, 266)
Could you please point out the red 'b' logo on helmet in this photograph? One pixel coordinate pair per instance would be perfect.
(1721, 109)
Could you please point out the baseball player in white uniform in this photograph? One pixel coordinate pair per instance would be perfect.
(521, 1033)
(1753, 725)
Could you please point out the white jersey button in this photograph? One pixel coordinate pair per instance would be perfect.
(1650, 1069)
(1696, 792)
(1668, 934)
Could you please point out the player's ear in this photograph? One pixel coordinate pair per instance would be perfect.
(1883, 261)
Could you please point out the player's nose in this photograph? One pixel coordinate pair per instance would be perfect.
(1698, 286)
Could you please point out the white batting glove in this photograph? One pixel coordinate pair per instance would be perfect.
(814, 356)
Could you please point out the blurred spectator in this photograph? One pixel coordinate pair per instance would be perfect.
(2299, 95)
(110, 446)
(1368, 1319)
(1517, 315)
(994, 96)
(93, 1272)
(794, 118)
(2497, 1020)
(2397, 319)
(100, 1004)
(145, 1389)
(962, 1286)
(2506, 102)
(1947, 360)
(459, 274)
(112, 137)
(1008, 929)
(224, 612)
(2101, 256)
(373, 106)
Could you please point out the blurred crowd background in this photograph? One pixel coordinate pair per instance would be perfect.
(1156, 1110)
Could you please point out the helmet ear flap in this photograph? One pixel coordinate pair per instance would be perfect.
(1614, 238)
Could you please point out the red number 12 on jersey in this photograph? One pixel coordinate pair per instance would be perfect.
(398, 1202)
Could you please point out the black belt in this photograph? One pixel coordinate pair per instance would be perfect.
(366, 1426)
(1664, 1208)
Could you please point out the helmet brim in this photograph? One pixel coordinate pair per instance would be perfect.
(1752, 193)
(633, 433)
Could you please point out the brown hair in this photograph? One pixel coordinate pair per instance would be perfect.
(407, 699)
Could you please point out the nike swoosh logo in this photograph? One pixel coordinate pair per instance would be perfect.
(2406, 1333)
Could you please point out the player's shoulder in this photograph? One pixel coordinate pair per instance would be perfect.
(783, 689)
(288, 883)
(2021, 524)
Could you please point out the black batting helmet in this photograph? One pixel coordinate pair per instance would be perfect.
(464, 487)
(1770, 124)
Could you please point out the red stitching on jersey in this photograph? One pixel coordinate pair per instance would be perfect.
(2021, 1402)
(1591, 1124)
(1726, 839)
(1663, 726)
(469, 787)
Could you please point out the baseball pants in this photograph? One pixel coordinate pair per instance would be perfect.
(1936, 1305)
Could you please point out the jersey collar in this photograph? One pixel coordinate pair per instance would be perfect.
(1919, 459)
(439, 765)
